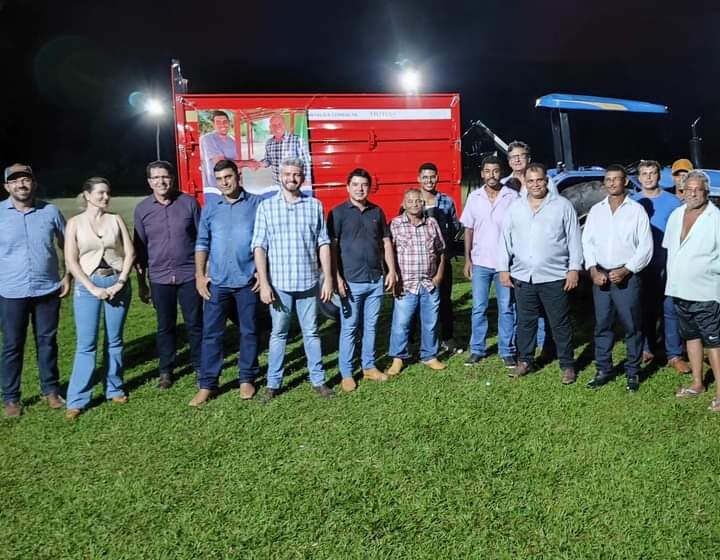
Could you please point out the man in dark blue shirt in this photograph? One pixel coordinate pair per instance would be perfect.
(360, 239)
(224, 237)
(166, 225)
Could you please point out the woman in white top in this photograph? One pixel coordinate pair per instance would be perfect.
(99, 254)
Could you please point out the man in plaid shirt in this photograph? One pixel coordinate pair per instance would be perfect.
(284, 145)
(289, 234)
(420, 252)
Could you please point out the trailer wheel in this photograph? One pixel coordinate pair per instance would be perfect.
(584, 196)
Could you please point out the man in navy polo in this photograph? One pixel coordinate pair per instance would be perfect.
(360, 240)
(30, 285)
(166, 224)
(224, 236)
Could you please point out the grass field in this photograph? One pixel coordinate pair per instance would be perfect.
(464, 463)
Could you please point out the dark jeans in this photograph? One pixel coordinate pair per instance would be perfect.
(165, 299)
(531, 299)
(654, 301)
(446, 308)
(621, 301)
(222, 299)
(15, 314)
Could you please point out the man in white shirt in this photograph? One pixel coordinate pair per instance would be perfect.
(692, 240)
(617, 245)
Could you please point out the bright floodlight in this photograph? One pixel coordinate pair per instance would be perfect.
(410, 80)
(154, 107)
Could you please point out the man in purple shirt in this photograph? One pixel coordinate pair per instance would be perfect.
(482, 217)
(166, 224)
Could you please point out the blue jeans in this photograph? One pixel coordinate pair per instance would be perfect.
(362, 304)
(15, 314)
(214, 319)
(281, 312)
(404, 308)
(653, 301)
(87, 321)
(482, 278)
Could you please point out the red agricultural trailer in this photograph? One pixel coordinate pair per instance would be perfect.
(390, 135)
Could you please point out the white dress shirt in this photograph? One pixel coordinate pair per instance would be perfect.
(621, 238)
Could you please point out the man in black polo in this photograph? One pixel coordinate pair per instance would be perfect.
(360, 238)
(166, 225)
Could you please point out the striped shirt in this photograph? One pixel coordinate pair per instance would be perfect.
(418, 249)
(291, 234)
(290, 146)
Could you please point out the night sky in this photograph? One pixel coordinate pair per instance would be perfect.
(69, 67)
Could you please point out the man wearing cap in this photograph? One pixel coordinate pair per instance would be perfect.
(658, 204)
(680, 168)
(30, 285)
(692, 241)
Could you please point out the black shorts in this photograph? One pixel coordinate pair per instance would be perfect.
(699, 319)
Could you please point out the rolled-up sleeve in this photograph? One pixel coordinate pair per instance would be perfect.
(644, 251)
(202, 243)
(260, 238)
(323, 237)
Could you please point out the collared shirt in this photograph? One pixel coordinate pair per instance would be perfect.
(360, 234)
(658, 209)
(213, 145)
(291, 234)
(623, 238)
(289, 146)
(225, 233)
(693, 265)
(540, 245)
(485, 218)
(523, 191)
(164, 238)
(418, 249)
(28, 260)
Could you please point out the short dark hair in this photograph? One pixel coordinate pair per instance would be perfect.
(160, 164)
(617, 167)
(650, 163)
(217, 113)
(518, 144)
(490, 160)
(428, 166)
(226, 164)
(536, 167)
(360, 172)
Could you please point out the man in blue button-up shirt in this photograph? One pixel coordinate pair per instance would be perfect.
(224, 236)
(30, 285)
(540, 255)
(291, 236)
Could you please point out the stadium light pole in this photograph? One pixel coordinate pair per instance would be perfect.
(410, 80)
(155, 109)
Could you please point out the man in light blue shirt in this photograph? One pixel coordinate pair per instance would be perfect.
(540, 255)
(291, 236)
(30, 285)
(224, 235)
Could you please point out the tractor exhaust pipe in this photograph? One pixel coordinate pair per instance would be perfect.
(695, 145)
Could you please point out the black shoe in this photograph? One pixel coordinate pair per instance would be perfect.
(269, 395)
(324, 391)
(509, 362)
(474, 359)
(450, 347)
(633, 383)
(165, 381)
(599, 380)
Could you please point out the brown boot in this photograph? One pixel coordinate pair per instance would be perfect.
(13, 410)
(679, 365)
(374, 374)
(396, 367)
(348, 384)
(54, 400)
(201, 397)
(569, 376)
(434, 363)
(247, 391)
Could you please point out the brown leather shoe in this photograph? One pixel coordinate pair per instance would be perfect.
(120, 400)
(569, 376)
(521, 370)
(396, 367)
(679, 365)
(434, 363)
(374, 374)
(201, 397)
(247, 391)
(54, 400)
(72, 413)
(348, 384)
(13, 410)
(647, 357)
(324, 391)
